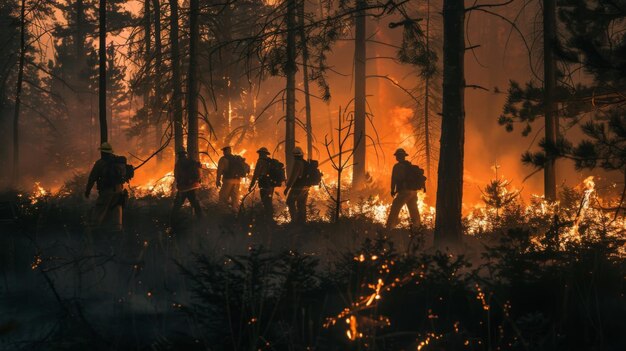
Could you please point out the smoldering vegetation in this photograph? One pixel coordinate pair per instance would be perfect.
(532, 279)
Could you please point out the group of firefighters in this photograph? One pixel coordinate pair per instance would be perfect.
(110, 173)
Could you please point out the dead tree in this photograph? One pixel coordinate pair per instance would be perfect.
(339, 161)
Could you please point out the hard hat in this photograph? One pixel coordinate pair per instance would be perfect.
(106, 148)
(226, 147)
(297, 151)
(263, 150)
(401, 152)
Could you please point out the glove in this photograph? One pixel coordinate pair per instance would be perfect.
(86, 194)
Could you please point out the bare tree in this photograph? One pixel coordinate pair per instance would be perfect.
(338, 162)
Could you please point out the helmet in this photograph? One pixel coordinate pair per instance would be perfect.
(106, 148)
(263, 150)
(297, 151)
(400, 152)
(225, 147)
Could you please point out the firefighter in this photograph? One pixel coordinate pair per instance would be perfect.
(109, 174)
(262, 176)
(401, 192)
(187, 175)
(230, 170)
(296, 189)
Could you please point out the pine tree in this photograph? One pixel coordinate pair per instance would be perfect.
(177, 95)
(192, 81)
(360, 117)
(448, 227)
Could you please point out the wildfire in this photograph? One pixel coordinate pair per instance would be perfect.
(160, 188)
(589, 187)
(38, 193)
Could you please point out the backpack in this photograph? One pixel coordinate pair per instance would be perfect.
(311, 176)
(237, 167)
(117, 171)
(415, 178)
(275, 173)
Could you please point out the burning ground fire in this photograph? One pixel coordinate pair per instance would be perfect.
(38, 193)
(585, 217)
(481, 219)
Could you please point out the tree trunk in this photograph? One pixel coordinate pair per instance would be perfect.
(147, 36)
(192, 82)
(427, 101)
(427, 127)
(448, 228)
(290, 72)
(18, 94)
(158, 98)
(358, 175)
(339, 171)
(549, 71)
(79, 37)
(305, 75)
(102, 86)
(177, 102)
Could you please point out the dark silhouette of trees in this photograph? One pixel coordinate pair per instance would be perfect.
(158, 72)
(448, 226)
(192, 81)
(550, 104)
(102, 79)
(305, 78)
(290, 92)
(18, 92)
(360, 117)
(177, 95)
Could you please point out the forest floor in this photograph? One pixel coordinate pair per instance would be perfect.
(66, 286)
(129, 285)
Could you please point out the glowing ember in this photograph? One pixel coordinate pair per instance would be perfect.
(161, 187)
(38, 193)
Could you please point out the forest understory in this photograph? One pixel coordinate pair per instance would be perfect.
(552, 280)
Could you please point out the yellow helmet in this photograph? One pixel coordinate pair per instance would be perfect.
(106, 148)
